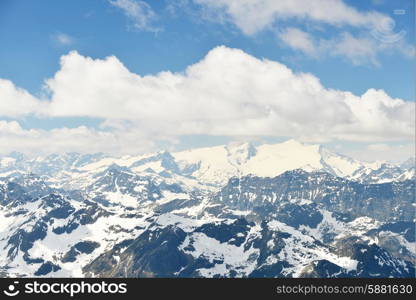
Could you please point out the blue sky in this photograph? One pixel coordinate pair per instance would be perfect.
(347, 51)
(30, 54)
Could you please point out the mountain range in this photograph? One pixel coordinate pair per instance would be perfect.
(237, 210)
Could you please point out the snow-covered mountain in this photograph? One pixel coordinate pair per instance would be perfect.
(283, 210)
(209, 167)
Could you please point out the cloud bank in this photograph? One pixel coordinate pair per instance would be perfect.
(227, 93)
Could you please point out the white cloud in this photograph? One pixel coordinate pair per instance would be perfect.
(228, 93)
(81, 139)
(358, 50)
(299, 40)
(252, 16)
(63, 39)
(16, 102)
(378, 147)
(384, 152)
(375, 32)
(140, 14)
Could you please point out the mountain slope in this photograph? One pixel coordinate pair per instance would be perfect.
(298, 224)
(283, 210)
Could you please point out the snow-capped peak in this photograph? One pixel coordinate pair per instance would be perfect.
(213, 166)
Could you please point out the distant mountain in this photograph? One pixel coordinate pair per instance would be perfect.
(208, 168)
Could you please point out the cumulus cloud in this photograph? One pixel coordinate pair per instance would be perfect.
(227, 93)
(16, 102)
(139, 13)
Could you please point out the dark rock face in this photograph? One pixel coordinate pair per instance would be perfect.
(405, 229)
(385, 202)
(81, 247)
(82, 216)
(234, 234)
(23, 240)
(297, 215)
(373, 262)
(12, 194)
(324, 269)
(58, 206)
(376, 262)
(163, 252)
(47, 268)
(152, 254)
